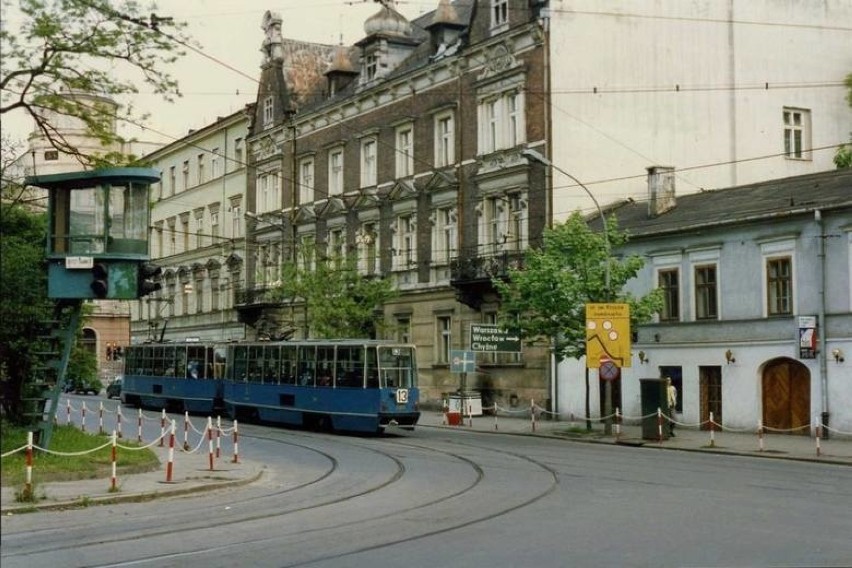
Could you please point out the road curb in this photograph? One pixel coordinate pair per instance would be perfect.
(83, 502)
(650, 444)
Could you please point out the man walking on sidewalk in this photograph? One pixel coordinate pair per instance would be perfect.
(671, 395)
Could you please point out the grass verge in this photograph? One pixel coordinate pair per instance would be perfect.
(69, 440)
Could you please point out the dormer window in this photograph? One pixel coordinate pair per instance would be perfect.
(371, 66)
(499, 15)
(267, 112)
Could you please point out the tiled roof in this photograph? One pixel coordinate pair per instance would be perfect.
(776, 198)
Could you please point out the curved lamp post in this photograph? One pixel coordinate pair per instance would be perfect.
(538, 157)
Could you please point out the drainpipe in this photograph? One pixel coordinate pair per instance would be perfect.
(823, 352)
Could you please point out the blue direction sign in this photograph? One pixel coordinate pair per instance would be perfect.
(462, 361)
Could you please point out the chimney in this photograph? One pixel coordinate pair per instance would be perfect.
(661, 190)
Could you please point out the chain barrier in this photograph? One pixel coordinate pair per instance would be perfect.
(208, 434)
(535, 412)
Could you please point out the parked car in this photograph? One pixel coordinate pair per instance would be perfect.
(113, 389)
(92, 385)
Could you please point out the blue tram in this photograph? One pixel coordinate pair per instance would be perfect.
(352, 385)
(174, 377)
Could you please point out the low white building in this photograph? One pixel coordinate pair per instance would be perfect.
(757, 323)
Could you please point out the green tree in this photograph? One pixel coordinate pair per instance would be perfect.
(843, 157)
(336, 299)
(97, 47)
(546, 299)
(23, 287)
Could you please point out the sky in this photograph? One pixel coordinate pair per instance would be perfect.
(229, 31)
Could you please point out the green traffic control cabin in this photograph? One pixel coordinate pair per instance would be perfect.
(97, 245)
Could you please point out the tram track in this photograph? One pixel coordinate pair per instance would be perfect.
(309, 442)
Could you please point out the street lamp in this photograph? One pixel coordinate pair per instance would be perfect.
(538, 157)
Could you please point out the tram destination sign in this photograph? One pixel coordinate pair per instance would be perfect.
(488, 338)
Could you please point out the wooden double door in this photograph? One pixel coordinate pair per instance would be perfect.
(787, 396)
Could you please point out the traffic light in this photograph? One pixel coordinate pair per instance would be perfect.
(100, 280)
(145, 283)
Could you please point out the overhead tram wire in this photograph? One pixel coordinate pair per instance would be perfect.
(351, 129)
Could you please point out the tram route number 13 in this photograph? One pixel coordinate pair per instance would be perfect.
(402, 396)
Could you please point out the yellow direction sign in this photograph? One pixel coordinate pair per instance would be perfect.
(607, 335)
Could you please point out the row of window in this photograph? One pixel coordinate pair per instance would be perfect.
(196, 229)
(501, 125)
(206, 166)
(503, 227)
(444, 155)
(778, 281)
(192, 292)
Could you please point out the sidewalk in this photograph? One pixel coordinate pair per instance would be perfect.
(191, 472)
(837, 451)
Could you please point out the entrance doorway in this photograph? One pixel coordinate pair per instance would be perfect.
(786, 396)
(710, 394)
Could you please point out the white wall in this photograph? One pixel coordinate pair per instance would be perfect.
(636, 119)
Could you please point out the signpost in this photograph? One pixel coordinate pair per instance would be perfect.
(488, 338)
(463, 362)
(607, 347)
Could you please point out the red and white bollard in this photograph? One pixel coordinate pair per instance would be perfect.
(186, 431)
(818, 436)
(532, 414)
(469, 416)
(101, 418)
(210, 441)
(28, 484)
(218, 437)
(113, 484)
(170, 464)
(445, 408)
(236, 444)
(712, 431)
(659, 425)
(760, 434)
(617, 424)
(163, 428)
(139, 423)
(68, 413)
(118, 420)
(83, 420)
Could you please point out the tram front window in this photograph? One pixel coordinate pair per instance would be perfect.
(397, 367)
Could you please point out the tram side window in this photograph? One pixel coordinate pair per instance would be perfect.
(371, 369)
(131, 361)
(255, 364)
(220, 360)
(208, 363)
(159, 367)
(196, 364)
(272, 364)
(350, 366)
(240, 362)
(177, 364)
(288, 365)
(169, 363)
(325, 366)
(307, 365)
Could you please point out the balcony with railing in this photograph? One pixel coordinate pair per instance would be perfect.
(472, 276)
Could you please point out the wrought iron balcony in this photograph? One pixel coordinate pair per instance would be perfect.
(260, 296)
(472, 276)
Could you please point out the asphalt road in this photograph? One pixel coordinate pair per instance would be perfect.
(457, 498)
